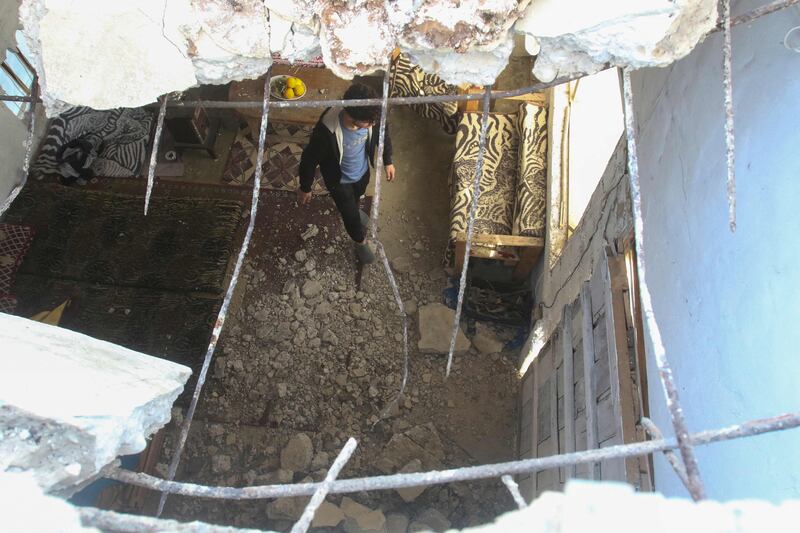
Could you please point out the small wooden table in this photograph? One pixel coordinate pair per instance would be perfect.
(314, 78)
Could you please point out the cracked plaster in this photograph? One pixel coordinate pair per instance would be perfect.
(171, 45)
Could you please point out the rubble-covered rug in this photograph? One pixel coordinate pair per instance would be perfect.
(285, 143)
(183, 244)
(14, 243)
(124, 135)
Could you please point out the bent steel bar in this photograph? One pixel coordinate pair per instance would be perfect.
(399, 481)
(659, 352)
(223, 310)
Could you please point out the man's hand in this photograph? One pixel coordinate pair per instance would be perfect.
(389, 172)
(303, 198)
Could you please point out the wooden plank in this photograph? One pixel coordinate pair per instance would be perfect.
(619, 368)
(554, 417)
(588, 362)
(534, 370)
(537, 99)
(502, 240)
(528, 257)
(569, 387)
(459, 255)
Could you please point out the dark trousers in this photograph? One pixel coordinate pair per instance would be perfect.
(346, 197)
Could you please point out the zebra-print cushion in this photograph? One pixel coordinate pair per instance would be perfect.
(125, 134)
(410, 80)
(498, 180)
(530, 209)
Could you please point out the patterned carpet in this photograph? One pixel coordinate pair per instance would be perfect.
(285, 143)
(182, 245)
(153, 284)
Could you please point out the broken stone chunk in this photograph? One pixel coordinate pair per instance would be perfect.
(410, 494)
(287, 508)
(430, 520)
(486, 341)
(297, 454)
(396, 523)
(436, 327)
(328, 515)
(311, 288)
(365, 518)
(312, 231)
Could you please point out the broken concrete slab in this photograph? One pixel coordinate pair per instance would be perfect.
(71, 404)
(572, 36)
(170, 47)
(297, 454)
(435, 323)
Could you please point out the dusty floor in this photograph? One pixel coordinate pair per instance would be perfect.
(305, 352)
(326, 364)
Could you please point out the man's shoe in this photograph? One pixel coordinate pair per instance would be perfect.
(364, 253)
(364, 218)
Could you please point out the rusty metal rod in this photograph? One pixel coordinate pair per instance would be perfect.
(129, 523)
(473, 210)
(151, 171)
(396, 481)
(301, 526)
(744, 18)
(223, 310)
(513, 488)
(727, 87)
(376, 199)
(654, 433)
(659, 352)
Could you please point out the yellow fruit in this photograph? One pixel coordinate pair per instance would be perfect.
(292, 82)
(288, 93)
(300, 90)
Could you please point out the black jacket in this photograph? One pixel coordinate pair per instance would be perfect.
(325, 149)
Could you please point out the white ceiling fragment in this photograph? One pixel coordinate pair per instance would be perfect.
(130, 53)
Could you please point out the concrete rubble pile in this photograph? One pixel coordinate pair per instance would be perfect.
(166, 46)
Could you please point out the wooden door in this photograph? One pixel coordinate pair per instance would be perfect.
(579, 393)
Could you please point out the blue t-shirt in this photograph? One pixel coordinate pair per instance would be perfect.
(354, 153)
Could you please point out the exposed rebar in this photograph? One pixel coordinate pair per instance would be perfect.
(473, 210)
(151, 171)
(727, 84)
(301, 526)
(654, 433)
(223, 311)
(26, 163)
(470, 473)
(756, 13)
(130, 523)
(664, 369)
(399, 301)
(376, 199)
(513, 488)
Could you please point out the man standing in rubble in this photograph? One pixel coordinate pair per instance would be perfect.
(343, 145)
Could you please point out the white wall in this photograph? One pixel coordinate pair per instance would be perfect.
(728, 304)
(13, 131)
(596, 124)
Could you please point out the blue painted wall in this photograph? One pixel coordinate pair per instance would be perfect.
(728, 304)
